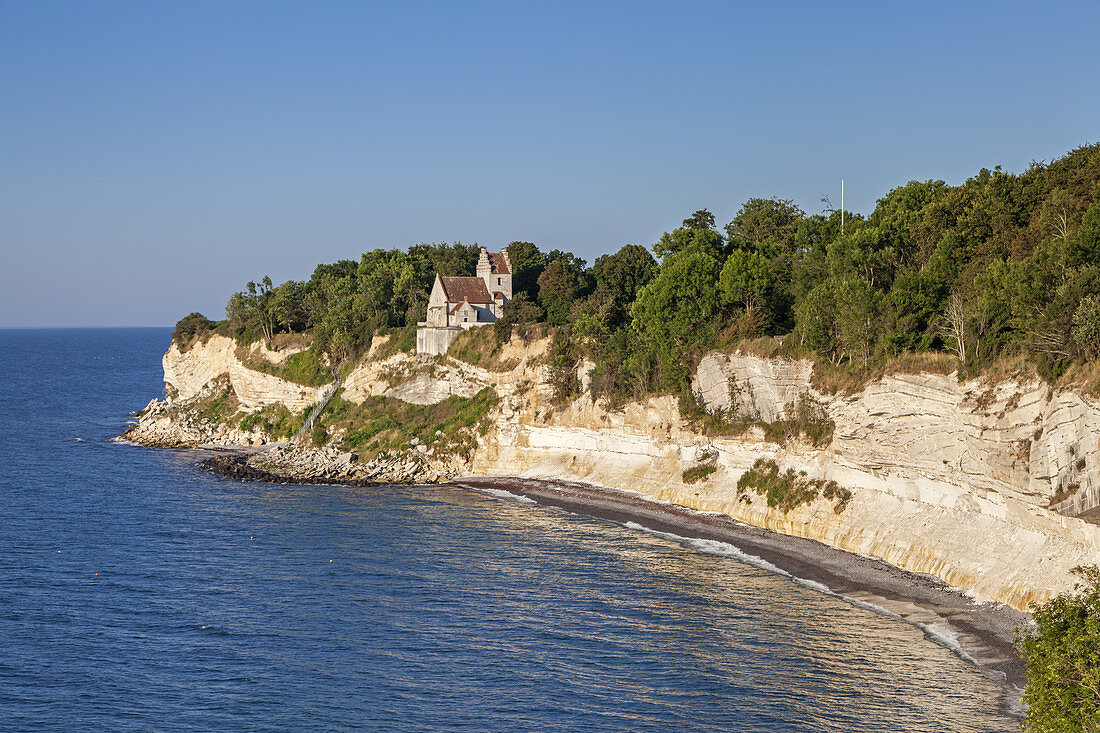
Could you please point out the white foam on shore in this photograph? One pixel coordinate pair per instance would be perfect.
(813, 585)
(937, 633)
(945, 637)
(712, 547)
(507, 495)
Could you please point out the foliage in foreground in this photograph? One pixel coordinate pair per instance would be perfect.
(789, 489)
(1063, 660)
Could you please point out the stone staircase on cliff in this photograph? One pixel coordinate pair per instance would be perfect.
(316, 410)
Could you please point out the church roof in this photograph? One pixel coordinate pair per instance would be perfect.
(499, 263)
(458, 289)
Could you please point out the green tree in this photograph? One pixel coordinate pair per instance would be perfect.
(288, 306)
(449, 260)
(250, 313)
(517, 311)
(1085, 247)
(701, 220)
(744, 278)
(674, 311)
(1063, 660)
(697, 232)
(1086, 325)
(527, 264)
(760, 220)
(815, 315)
(557, 288)
(857, 308)
(191, 325)
(622, 274)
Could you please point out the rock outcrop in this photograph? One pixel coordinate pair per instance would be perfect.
(186, 373)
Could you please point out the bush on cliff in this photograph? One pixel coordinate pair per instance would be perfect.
(789, 489)
(191, 325)
(1063, 660)
(698, 473)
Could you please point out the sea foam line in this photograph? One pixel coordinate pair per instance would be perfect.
(937, 633)
(508, 495)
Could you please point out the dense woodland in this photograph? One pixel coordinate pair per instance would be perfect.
(1002, 265)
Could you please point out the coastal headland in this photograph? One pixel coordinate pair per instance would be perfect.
(940, 509)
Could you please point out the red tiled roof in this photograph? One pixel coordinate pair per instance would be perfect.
(459, 305)
(465, 288)
(498, 261)
(497, 295)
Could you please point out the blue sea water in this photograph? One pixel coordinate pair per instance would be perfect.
(138, 592)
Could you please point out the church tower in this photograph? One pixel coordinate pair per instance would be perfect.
(496, 270)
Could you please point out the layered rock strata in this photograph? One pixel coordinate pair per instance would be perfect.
(987, 486)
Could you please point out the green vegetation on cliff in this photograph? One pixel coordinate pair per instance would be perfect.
(385, 425)
(789, 489)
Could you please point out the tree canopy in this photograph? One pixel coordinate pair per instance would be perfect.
(1003, 263)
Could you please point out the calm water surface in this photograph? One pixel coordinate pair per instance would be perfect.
(221, 606)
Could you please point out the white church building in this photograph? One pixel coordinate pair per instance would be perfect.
(459, 303)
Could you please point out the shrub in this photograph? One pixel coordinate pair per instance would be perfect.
(475, 346)
(698, 473)
(806, 417)
(275, 420)
(1063, 659)
(191, 325)
(789, 489)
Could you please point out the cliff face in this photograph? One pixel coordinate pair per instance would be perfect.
(188, 372)
(980, 484)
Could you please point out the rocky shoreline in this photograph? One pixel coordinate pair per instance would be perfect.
(236, 466)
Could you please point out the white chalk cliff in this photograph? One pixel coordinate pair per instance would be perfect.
(988, 486)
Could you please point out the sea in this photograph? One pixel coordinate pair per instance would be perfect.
(140, 593)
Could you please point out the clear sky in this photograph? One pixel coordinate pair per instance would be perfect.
(155, 156)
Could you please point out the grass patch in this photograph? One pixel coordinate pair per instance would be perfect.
(305, 367)
(698, 473)
(477, 346)
(385, 425)
(275, 420)
(1085, 377)
(400, 340)
(789, 489)
(218, 407)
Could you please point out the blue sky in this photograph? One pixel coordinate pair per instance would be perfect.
(155, 156)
